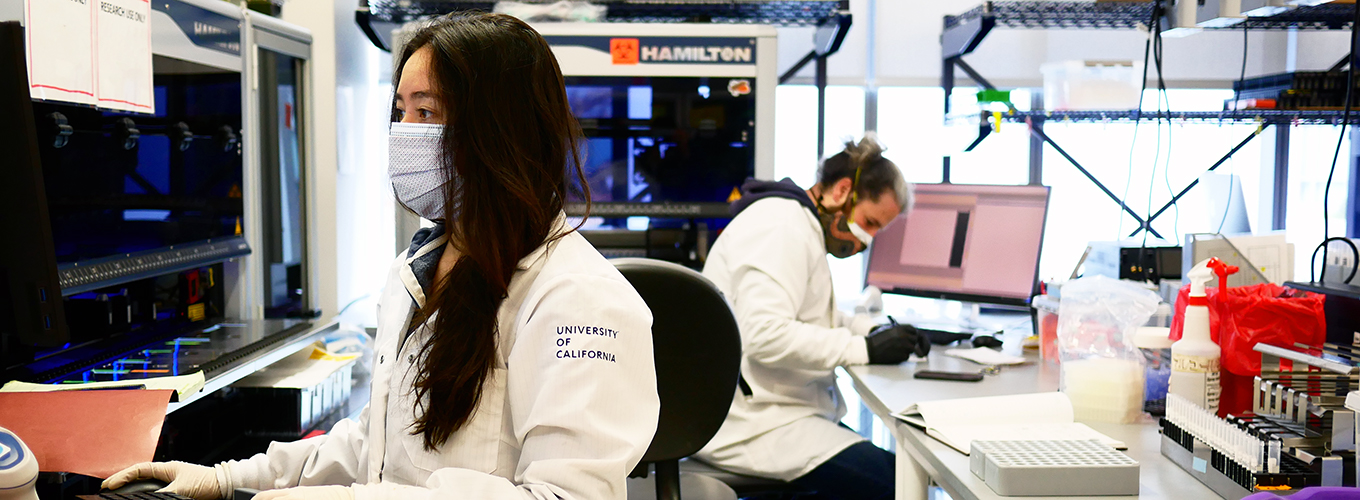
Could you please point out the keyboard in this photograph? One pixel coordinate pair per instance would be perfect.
(149, 495)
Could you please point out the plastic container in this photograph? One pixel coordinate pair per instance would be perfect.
(1046, 312)
(1092, 85)
(1104, 389)
(1155, 344)
(1102, 369)
(1162, 317)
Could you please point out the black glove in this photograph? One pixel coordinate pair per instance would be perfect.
(892, 343)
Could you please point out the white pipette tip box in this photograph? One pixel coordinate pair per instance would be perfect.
(1053, 468)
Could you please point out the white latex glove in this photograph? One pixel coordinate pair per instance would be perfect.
(870, 302)
(190, 480)
(308, 493)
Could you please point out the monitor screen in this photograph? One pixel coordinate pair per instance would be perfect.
(665, 139)
(963, 242)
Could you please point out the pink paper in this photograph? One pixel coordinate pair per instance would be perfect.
(96, 433)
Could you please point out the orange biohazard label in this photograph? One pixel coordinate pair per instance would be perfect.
(736, 195)
(624, 50)
(739, 88)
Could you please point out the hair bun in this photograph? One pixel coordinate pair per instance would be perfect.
(868, 151)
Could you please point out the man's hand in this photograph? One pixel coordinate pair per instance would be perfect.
(892, 343)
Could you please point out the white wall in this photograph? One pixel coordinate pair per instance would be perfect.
(351, 96)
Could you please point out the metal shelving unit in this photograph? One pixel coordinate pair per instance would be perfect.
(1272, 116)
(1133, 15)
(378, 17)
(963, 33)
(781, 12)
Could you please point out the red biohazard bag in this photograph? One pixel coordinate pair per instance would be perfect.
(1245, 316)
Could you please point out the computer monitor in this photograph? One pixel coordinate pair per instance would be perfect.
(964, 242)
(676, 116)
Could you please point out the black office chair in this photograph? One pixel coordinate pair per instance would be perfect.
(698, 355)
(746, 487)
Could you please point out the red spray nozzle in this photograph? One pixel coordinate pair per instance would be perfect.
(1222, 269)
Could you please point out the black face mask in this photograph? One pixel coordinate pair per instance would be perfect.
(842, 236)
(840, 240)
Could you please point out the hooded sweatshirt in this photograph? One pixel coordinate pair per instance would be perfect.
(755, 190)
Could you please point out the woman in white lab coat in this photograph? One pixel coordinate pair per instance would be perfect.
(513, 361)
(771, 263)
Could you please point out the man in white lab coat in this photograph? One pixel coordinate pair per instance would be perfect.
(771, 263)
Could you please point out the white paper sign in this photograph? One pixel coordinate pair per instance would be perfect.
(60, 49)
(123, 55)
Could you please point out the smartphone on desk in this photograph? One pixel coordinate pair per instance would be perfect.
(954, 376)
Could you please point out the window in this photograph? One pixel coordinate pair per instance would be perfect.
(1310, 157)
(795, 132)
(909, 124)
(1145, 172)
(795, 154)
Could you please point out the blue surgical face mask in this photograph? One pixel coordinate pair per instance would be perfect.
(415, 167)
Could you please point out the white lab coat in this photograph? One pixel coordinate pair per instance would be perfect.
(554, 421)
(770, 262)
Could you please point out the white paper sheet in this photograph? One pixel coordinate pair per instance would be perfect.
(60, 49)
(183, 385)
(985, 356)
(123, 55)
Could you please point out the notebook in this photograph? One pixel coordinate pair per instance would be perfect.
(1038, 416)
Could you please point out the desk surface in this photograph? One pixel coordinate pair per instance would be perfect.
(886, 389)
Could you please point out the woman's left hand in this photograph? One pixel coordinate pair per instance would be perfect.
(308, 493)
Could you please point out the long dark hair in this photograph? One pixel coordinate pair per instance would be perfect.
(509, 139)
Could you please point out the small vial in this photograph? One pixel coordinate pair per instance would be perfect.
(1273, 457)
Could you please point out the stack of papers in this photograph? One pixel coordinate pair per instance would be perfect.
(305, 368)
(183, 385)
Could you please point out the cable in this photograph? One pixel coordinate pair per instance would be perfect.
(1312, 262)
(1232, 175)
(1156, 157)
(1237, 96)
(1242, 75)
(1163, 95)
(352, 302)
(1156, 43)
(1166, 172)
(1341, 137)
(1137, 115)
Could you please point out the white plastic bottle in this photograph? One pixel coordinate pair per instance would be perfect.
(1195, 358)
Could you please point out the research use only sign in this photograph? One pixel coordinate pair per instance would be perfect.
(123, 55)
(95, 52)
(59, 38)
